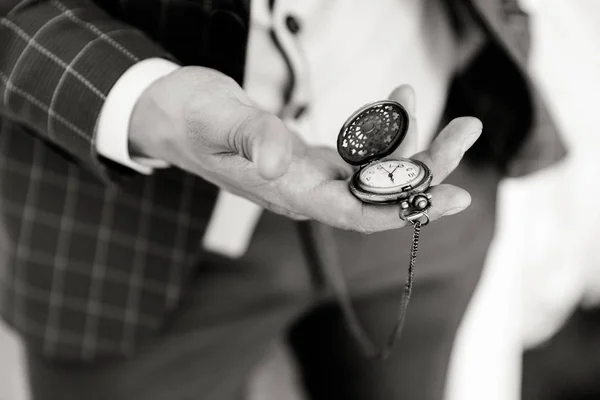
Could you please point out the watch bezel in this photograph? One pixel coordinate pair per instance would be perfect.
(394, 189)
(390, 198)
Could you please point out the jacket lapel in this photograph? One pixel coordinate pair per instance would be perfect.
(506, 24)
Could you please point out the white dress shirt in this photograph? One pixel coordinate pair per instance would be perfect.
(342, 53)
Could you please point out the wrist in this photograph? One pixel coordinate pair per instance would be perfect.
(149, 127)
(112, 137)
(139, 139)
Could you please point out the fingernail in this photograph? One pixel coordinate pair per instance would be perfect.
(472, 138)
(453, 211)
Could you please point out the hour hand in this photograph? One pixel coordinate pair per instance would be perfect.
(391, 175)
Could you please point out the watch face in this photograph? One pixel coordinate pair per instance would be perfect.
(390, 176)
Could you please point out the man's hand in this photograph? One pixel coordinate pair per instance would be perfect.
(203, 122)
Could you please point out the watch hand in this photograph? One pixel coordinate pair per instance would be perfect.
(382, 167)
(391, 174)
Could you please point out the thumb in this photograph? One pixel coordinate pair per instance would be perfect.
(264, 139)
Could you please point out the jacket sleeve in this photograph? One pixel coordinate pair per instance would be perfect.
(58, 61)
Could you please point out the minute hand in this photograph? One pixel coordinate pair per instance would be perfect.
(391, 174)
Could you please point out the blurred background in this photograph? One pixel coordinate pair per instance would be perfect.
(532, 331)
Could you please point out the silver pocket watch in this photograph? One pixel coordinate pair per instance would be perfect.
(366, 140)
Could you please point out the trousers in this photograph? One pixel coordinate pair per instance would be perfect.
(233, 311)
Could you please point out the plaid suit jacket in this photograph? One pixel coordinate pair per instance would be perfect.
(92, 256)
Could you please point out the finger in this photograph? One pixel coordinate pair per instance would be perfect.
(448, 148)
(350, 213)
(266, 202)
(447, 200)
(264, 139)
(405, 95)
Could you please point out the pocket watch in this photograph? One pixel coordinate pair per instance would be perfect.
(367, 140)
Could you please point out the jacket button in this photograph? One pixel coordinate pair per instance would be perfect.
(292, 24)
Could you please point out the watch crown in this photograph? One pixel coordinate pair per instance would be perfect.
(421, 202)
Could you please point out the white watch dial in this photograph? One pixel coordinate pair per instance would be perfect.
(390, 176)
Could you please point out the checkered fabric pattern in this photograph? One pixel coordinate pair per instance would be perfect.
(93, 256)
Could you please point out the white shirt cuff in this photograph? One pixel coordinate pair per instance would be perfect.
(112, 134)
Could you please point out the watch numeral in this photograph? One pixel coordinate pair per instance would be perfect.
(411, 174)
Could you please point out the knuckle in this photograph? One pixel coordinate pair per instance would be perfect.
(211, 113)
(248, 129)
(240, 135)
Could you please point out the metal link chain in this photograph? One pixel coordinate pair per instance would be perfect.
(343, 295)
